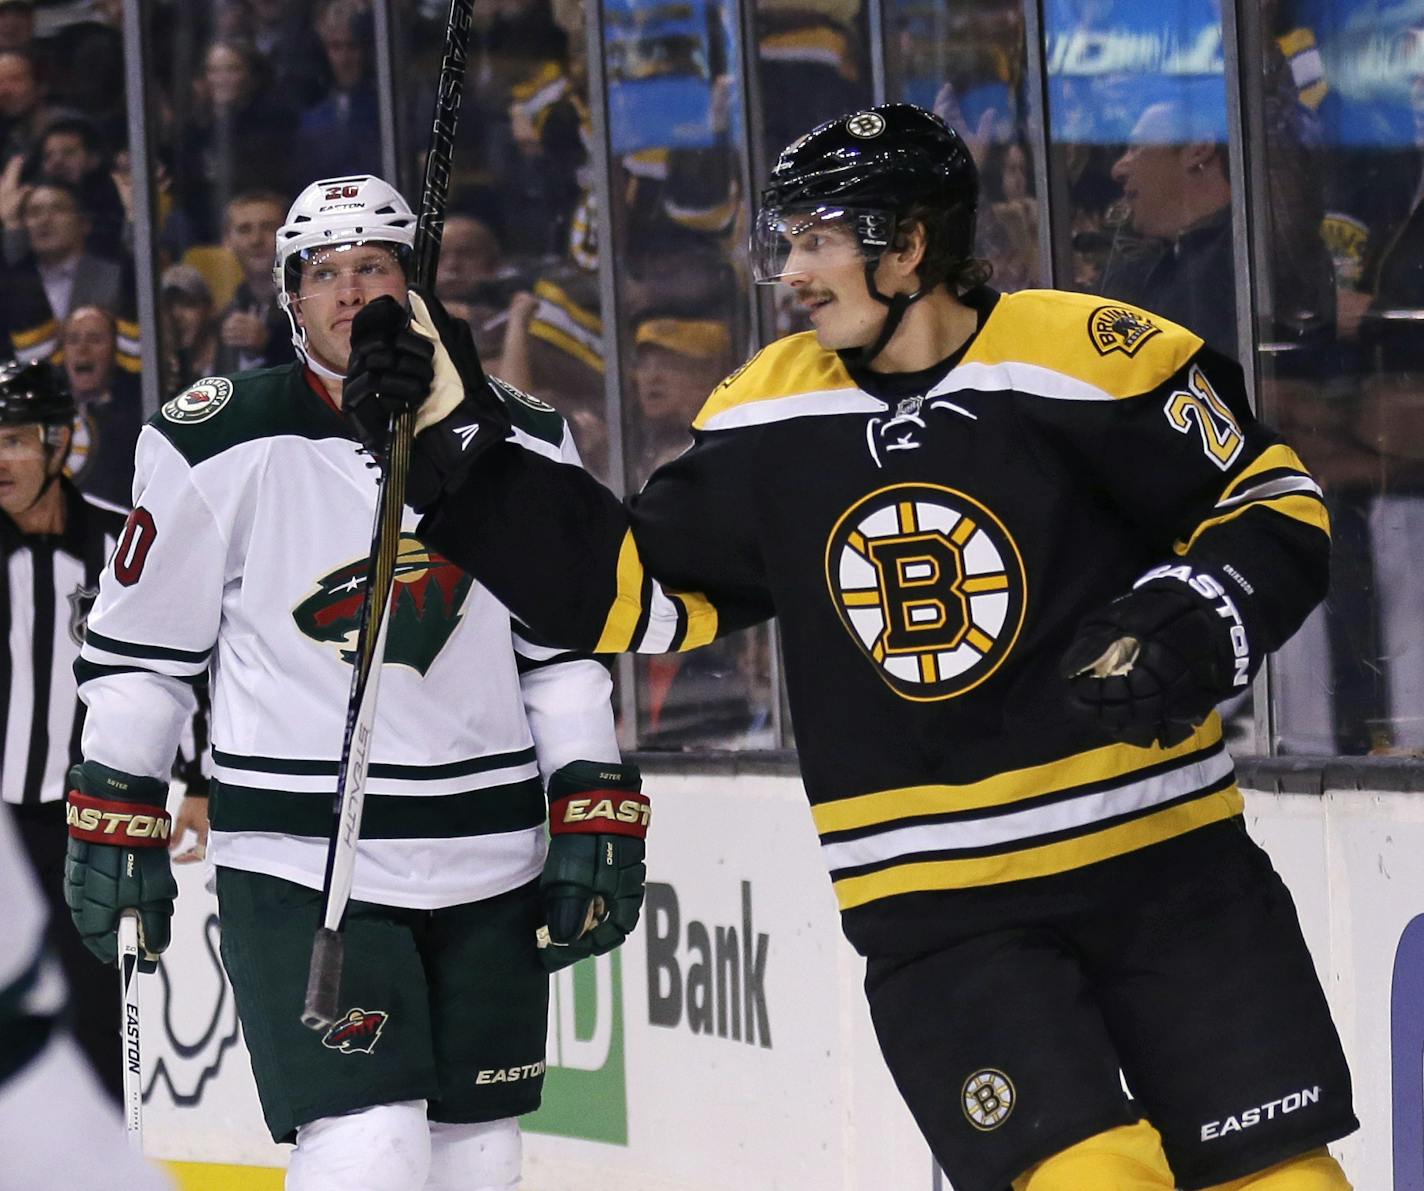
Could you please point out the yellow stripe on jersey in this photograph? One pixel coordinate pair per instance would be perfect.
(1099, 765)
(1308, 510)
(1123, 350)
(27, 338)
(1273, 458)
(790, 366)
(1044, 860)
(701, 619)
(627, 607)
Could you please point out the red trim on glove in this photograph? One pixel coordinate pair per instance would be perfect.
(601, 812)
(122, 824)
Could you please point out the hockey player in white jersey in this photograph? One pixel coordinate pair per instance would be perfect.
(246, 556)
(41, 1067)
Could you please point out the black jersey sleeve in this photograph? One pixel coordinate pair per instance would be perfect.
(672, 568)
(1205, 483)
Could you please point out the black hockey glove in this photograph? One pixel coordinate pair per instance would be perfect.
(1153, 663)
(464, 414)
(390, 370)
(594, 875)
(118, 860)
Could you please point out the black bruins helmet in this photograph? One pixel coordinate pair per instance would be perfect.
(868, 168)
(34, 392)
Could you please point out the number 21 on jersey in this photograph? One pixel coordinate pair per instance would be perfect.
(1221, 435)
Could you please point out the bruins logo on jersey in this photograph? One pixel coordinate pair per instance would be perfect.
(988, 1099)
(930, 585)
(1118, 329)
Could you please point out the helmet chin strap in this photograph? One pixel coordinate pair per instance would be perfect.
(51, 477)
(299, 341)
(898, 304)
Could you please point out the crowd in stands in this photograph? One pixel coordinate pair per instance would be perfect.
(252, 99)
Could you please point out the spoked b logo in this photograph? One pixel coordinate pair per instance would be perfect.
(930, 585)
(988, 1098)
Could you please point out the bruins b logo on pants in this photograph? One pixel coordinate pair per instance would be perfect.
(930, 585)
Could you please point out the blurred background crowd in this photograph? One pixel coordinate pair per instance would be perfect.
(625, 318)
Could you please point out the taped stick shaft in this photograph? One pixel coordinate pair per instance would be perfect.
(320, 1011)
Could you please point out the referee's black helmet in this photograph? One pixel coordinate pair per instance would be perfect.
(34, 392)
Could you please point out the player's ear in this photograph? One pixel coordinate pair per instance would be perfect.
(908, 251)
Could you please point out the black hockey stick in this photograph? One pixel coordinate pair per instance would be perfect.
(324, 975)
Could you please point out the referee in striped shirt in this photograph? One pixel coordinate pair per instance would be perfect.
(54, 542)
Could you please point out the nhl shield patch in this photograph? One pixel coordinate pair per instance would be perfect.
(357, 1032)
(930, 585)
(200, 400)
(1120, 329)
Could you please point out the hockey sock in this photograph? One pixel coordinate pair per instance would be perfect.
(1315, 1171)
(475, 1157)
(1128, 1158)
(382, 1148)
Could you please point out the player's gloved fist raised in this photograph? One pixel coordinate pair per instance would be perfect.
(1153, 663)
(464, 414)
(117, 860)
(389, 370)
(594, 875)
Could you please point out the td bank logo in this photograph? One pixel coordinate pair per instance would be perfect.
(713, 981)
(585, 1087)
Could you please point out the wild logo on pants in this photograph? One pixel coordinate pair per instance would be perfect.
(357, 1032)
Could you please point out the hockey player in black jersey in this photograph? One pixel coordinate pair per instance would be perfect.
(1019, 547)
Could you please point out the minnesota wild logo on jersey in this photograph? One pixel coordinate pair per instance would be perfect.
(426, 599)
(930, 585)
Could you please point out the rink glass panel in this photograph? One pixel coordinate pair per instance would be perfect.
(967, 62)
(677, 133)
(699, 101)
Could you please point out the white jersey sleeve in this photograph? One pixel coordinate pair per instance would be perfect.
(155, 622)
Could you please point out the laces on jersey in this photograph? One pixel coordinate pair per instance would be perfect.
(909, 418)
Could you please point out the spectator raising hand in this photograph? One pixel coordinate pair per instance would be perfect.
(13, 193)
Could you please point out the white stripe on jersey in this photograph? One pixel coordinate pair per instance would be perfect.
(1021, 827)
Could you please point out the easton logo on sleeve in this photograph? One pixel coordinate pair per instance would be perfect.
(426, 598)
(357, 1032)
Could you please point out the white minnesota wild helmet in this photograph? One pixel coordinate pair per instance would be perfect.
(356, 210)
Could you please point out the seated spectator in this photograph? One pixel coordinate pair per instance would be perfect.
(186, 308)
(1176, 255)
(17, 25)
(110, 407)
(470, 280)
(23, 115)
(677, 362)
(1008, 228)
(254, 331)
(69, 151)
(241, 137)
(83, 65)
(56, 275)
(341, 134)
